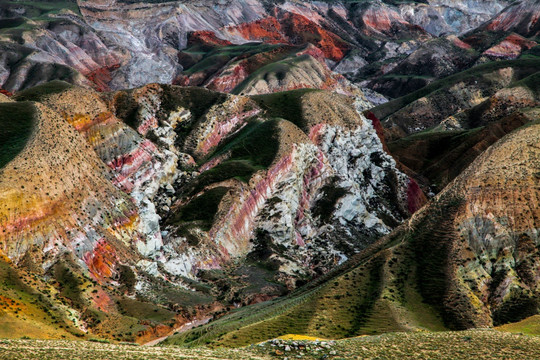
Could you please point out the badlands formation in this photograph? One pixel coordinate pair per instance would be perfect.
(227, 172)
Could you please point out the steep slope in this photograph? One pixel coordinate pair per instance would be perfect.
(183, 196)
(520, 17)
(132, 213)
(452, 98)
(125, 44)
(66, 236)
(467, 259)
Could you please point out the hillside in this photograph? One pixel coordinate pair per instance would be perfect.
(225, 173)
(454, 265)
(160, 203)
(221, 44)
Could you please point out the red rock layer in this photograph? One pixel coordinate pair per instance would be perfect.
(101, 77)
(5, 92)
(102, 260)
(290, 28)
(301, 31)
(378, 128)
(230, 77)
(521, 17)
(267, 30)
(206, 38)
(510, 48)
(415, 197)
(382, 20)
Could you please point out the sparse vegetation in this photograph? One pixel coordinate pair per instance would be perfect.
(467, 345)
(524, 67)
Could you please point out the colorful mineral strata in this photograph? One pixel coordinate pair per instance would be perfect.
(300, 175)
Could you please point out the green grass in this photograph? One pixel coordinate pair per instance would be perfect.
(532, 53)
(529, 326)
(279, 69)
(11, 23)
(438, 155)
(41, 9)
(255, 146)
(145, 311)
(201, 209)
(532, 82)
(238, 169)
(70, 285)
(216, 58)
(169, 295)
(521, 65)
(286, 105)
(17, 123)
(39, 92)
(197, 100)
(31, 313)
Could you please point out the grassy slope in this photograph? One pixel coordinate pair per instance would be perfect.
(17, 122)
(387, 109)
(38, 93)
(25, 312)
(278, 69)
(286, 105)
(529, 326)
(223, 54)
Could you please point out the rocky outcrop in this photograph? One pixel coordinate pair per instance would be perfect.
(467, 259)
(520, 17)
(451, 99)
(159, 186)
(432, 60)
(440, 17)
(117, 44)
(510, 47)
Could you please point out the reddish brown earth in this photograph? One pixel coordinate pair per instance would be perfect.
(206, 37)
(101, 77)
(291, 28)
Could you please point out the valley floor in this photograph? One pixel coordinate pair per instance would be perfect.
(473, 344)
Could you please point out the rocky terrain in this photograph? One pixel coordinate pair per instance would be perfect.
(227, 172)
(161, 190)
(465, 260)
(124, 44)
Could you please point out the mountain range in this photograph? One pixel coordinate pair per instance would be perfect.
(222, 173)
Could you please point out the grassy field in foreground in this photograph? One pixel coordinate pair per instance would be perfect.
(529, 326)
(463, 345)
